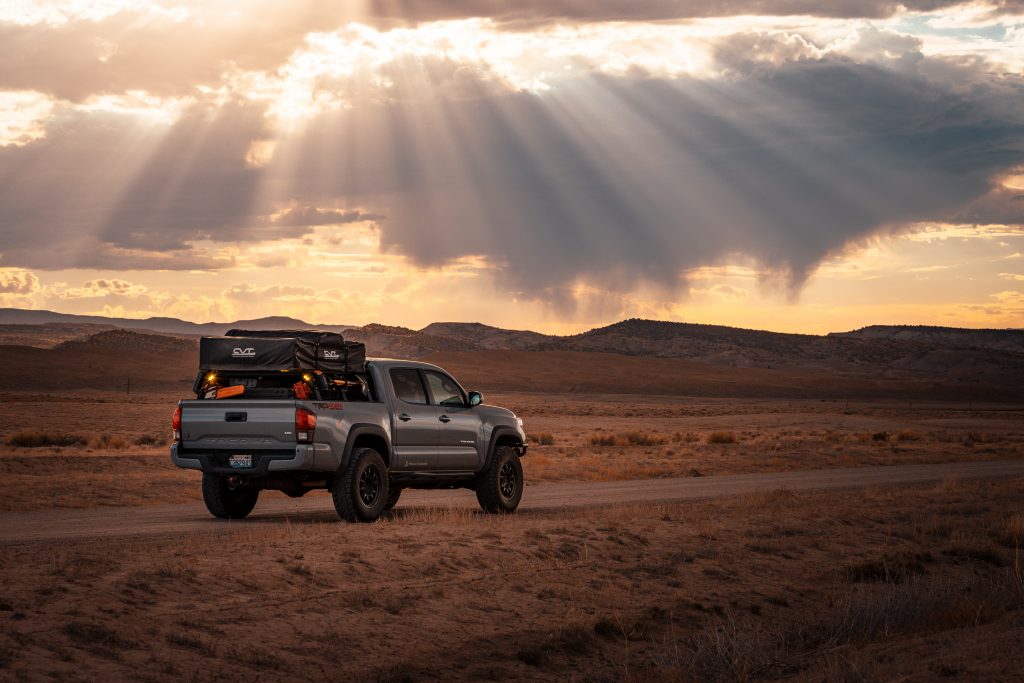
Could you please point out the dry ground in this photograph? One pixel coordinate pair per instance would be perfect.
(122, 458)
(911, 584)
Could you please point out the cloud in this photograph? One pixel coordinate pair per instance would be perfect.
(18, 281)
(170, 52)
(724, 292)
(787, 156)
(163, 53)
(103, 287)
(310, 216)
(248, 293)
(625, 180)
(104, 191)
(999, 206)
(543, 11)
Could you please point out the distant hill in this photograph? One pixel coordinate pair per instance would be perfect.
(949, 360)
(486, 337)
(47, 335)
(17, 316)
(127, 341)
(950, 337)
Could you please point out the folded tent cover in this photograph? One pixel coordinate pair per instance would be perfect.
(275, 350)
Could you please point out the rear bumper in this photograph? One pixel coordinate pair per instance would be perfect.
(306, 457)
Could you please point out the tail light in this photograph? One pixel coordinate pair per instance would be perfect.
(305, 423)
(176, 424)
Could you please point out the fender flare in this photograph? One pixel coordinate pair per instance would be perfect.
(362, 429)
(497, 433)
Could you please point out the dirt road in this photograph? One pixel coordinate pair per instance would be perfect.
(52, 525)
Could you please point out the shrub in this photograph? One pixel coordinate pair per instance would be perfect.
(628, 439)
(86, 633)
(721, 437)
(908, 435)
(685, 437)
(880, 436)
(606, 628)
(542, 438)
(888, 569)
(108, 442)
(1012, 535)
(35, 438)
(151, 440)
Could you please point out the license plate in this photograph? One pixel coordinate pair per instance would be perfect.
(240, 461)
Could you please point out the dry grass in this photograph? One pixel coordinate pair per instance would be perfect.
(721, 437)
(123, 460)
(879, 584)
(909, 435)
(37, 438)
(109, 442)
(742, 647)
(542, 438)
(631, 438)
(152, 440)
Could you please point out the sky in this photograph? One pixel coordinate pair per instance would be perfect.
(548, 164)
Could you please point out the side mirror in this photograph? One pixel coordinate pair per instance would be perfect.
(475, 398)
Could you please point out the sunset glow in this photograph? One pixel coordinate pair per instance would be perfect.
(538, 168)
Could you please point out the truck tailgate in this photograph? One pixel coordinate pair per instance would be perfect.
(240, 425)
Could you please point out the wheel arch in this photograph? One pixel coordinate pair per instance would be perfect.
(367, 436)
(503, 435)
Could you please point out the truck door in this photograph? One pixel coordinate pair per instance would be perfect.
(416, 425)
(460, 424)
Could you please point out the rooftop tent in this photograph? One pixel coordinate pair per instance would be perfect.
(274, 350)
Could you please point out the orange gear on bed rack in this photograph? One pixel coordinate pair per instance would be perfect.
(302, 391)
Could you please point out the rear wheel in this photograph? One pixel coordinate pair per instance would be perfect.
(499, 488)
(361, 492)
(393, 496)
(225, 502)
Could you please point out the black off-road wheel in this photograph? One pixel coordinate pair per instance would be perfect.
(361, 492)
(224, 502)
(393, 496)
(499, 488)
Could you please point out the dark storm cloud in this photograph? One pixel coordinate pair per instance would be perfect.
(617, 181)
(1000, 206)
(614, 181)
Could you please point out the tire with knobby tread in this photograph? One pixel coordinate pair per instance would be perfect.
(225, 503)
(346, 493)
(489, 484)
(393, 496)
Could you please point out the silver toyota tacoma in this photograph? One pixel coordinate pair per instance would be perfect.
(364, 430)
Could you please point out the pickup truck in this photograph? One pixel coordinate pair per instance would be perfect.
(407, 425)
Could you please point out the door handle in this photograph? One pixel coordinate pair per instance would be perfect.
(405, 417)
(445, 419)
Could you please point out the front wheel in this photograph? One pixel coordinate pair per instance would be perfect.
(225, 502)
(361, 492)
(393, 495)
(499, 488)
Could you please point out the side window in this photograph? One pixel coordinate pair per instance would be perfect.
(408, 386)
(444, 390)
